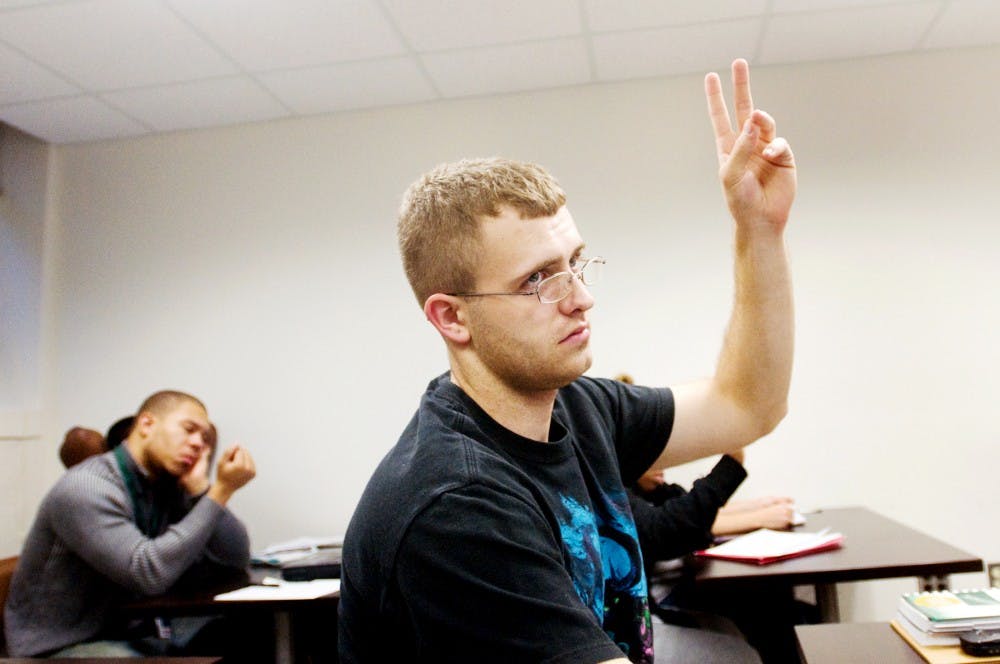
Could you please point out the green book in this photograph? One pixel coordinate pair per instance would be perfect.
(946, 610)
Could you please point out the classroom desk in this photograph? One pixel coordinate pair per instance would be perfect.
(287, 613)
(875, 547)
(858, 643)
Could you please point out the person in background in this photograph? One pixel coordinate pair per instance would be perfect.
(79, 444)
(124, 524)
(498, 528)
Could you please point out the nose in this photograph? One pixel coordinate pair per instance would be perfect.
(579, 298)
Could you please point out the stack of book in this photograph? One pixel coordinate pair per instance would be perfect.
(936, 618)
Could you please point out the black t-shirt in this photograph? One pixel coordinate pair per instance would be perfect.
(472, 543)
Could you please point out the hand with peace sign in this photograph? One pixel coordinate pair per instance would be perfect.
(756, 167)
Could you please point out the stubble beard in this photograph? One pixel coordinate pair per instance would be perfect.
(526, 368)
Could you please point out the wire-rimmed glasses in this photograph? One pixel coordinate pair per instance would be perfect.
(552, 289)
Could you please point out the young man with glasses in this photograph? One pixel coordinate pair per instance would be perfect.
(498, 528)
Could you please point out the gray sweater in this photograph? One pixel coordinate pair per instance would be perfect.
(84, 554)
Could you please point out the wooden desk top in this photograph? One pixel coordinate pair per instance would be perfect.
(875, 547)
(858, 643)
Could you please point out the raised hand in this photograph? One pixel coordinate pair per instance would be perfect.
(756, 168)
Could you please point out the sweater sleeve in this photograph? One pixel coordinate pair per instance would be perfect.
(96, 522)
(683, 524)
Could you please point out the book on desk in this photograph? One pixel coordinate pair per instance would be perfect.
(932, 622)
(322, 564)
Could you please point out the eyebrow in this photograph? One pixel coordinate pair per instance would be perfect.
(547, 263)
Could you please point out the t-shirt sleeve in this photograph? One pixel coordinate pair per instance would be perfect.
(642, 419)
(501, 592)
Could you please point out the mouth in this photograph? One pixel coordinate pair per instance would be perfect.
(578, 336)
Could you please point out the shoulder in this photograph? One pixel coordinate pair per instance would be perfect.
(91, 480)
(614, 394)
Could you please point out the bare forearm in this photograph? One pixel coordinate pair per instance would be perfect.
(755, 365)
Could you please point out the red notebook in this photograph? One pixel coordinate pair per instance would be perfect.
(767, 546)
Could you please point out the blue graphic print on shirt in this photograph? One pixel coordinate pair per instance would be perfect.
(607, 572)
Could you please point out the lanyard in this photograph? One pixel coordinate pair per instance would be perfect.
(147, 517)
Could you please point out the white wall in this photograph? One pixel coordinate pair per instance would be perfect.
(257, 267)
(24, 324)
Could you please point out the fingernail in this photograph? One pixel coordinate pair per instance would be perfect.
(749, 128)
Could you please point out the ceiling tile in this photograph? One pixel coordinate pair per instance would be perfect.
(499, 69)
(23, 80)
(350, 85)
(850, 33)
(265, 35)
(605, 15)
(435, 25)
(671, 51)
(71, 120)
(966, 23)
(113, 44)
(210, 103)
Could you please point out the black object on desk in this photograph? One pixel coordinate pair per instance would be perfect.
(324, 564)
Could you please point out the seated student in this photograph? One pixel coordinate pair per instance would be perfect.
(680, 521)
(79, 444)
(672, 522)
(126, 523)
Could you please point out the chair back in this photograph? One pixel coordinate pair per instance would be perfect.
(7, 566)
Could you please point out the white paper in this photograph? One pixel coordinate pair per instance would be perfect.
(304, 544)
(284, 590)
(766, 543)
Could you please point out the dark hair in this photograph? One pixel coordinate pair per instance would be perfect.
(119, 431)
(165, 401)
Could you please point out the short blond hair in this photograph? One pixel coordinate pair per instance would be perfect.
(439, 219)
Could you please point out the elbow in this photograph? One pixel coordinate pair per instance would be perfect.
(769, 419)
(148, 587)
(148, 576)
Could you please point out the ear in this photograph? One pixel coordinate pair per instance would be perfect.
(143, 423)
(448, 314)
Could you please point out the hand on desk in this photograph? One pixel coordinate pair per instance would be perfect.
(741, 516)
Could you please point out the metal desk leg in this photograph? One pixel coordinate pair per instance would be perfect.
(827, 602)
(283, 648)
